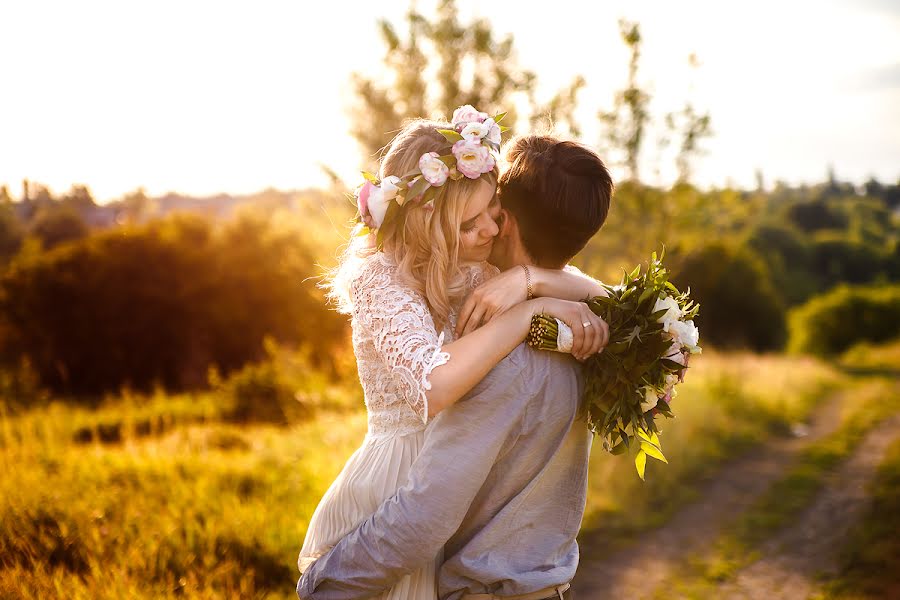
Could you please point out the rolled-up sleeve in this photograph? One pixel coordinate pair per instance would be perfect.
(412, 526)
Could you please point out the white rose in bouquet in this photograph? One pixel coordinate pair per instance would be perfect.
(672, 314)
(685, 333)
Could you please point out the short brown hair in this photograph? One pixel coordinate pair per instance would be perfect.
(559, 192)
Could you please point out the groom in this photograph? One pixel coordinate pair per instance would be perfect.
(501, 481)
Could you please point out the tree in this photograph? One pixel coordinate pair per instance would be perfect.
(471, 66)
(11, 231)
(626, 123)
(738, 305)
(693, 128)
(78, 198)
(55, 225)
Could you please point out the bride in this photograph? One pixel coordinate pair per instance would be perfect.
(432, 219)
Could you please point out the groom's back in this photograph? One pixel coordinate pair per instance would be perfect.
(519, 533)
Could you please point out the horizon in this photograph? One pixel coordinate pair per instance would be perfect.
(205, 99)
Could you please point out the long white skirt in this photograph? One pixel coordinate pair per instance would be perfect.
(372, 475)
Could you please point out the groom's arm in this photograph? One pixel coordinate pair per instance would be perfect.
(411, 527)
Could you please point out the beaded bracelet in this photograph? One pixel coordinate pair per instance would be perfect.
(528, 287)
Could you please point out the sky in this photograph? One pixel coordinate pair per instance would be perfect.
(201, 97)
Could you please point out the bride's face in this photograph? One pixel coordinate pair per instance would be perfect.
(479, 224)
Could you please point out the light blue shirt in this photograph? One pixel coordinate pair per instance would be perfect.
(500, 483)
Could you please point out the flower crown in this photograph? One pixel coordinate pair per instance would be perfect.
(474, 139)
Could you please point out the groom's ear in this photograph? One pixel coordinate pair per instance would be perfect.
(505, 223)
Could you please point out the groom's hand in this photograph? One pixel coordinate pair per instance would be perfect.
(590, 333)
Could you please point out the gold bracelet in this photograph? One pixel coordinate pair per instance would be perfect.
(528, 287)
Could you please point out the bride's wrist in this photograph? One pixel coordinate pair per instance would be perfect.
(539, 281)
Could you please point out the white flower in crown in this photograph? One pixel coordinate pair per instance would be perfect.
(475, 131)
(472, 158)
(380, 196)
(467, 114)
(433, 168)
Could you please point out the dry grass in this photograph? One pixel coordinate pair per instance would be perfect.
(195, 506)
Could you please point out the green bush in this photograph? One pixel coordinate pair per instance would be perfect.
(739, 308)
(284, 388)
(831, 323)
(788, 255)
(158, 304)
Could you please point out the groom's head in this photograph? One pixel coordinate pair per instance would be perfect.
(554, 197)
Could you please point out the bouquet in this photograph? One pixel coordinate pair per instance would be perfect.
(632, 382)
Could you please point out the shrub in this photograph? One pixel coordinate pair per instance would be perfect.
(831, 323)
(738, 305)
(787, 255)
(159, 303)
(284, 388)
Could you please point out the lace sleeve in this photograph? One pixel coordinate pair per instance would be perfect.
(403, 333)
(478, 274)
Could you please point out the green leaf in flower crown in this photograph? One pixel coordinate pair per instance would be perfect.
(640, 463)
(429, 195)
(635, 272)
(450, 135)
(370, 177)
(653, 451)
(620, 448)
(417, 189)
(498, 118)
(362, 231)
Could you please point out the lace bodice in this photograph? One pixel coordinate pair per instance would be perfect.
(397, 345)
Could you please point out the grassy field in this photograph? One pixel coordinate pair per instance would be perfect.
(168, 496)
(738, 546)
(870, 563)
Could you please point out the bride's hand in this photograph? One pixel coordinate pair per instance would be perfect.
(493, 297)
(590, 333)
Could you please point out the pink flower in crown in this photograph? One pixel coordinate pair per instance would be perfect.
(433, 168)
(472, 158)
(465, 115)
(362, 202)
(494, 133)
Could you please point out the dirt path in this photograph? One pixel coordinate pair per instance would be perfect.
(796, 556)
(640, 569)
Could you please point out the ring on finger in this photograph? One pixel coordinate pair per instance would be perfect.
(586, 324)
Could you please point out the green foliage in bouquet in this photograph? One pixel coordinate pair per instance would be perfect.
(637, 362)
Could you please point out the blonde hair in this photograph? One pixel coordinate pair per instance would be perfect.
(424, 243)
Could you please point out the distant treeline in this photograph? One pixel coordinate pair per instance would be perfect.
(751, 256)
(157, 295)
(140, 305)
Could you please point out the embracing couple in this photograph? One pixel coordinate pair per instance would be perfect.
(471, 481)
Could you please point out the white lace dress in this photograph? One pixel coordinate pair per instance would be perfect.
(396, 346)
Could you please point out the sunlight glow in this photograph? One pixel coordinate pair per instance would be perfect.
(207, 97)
